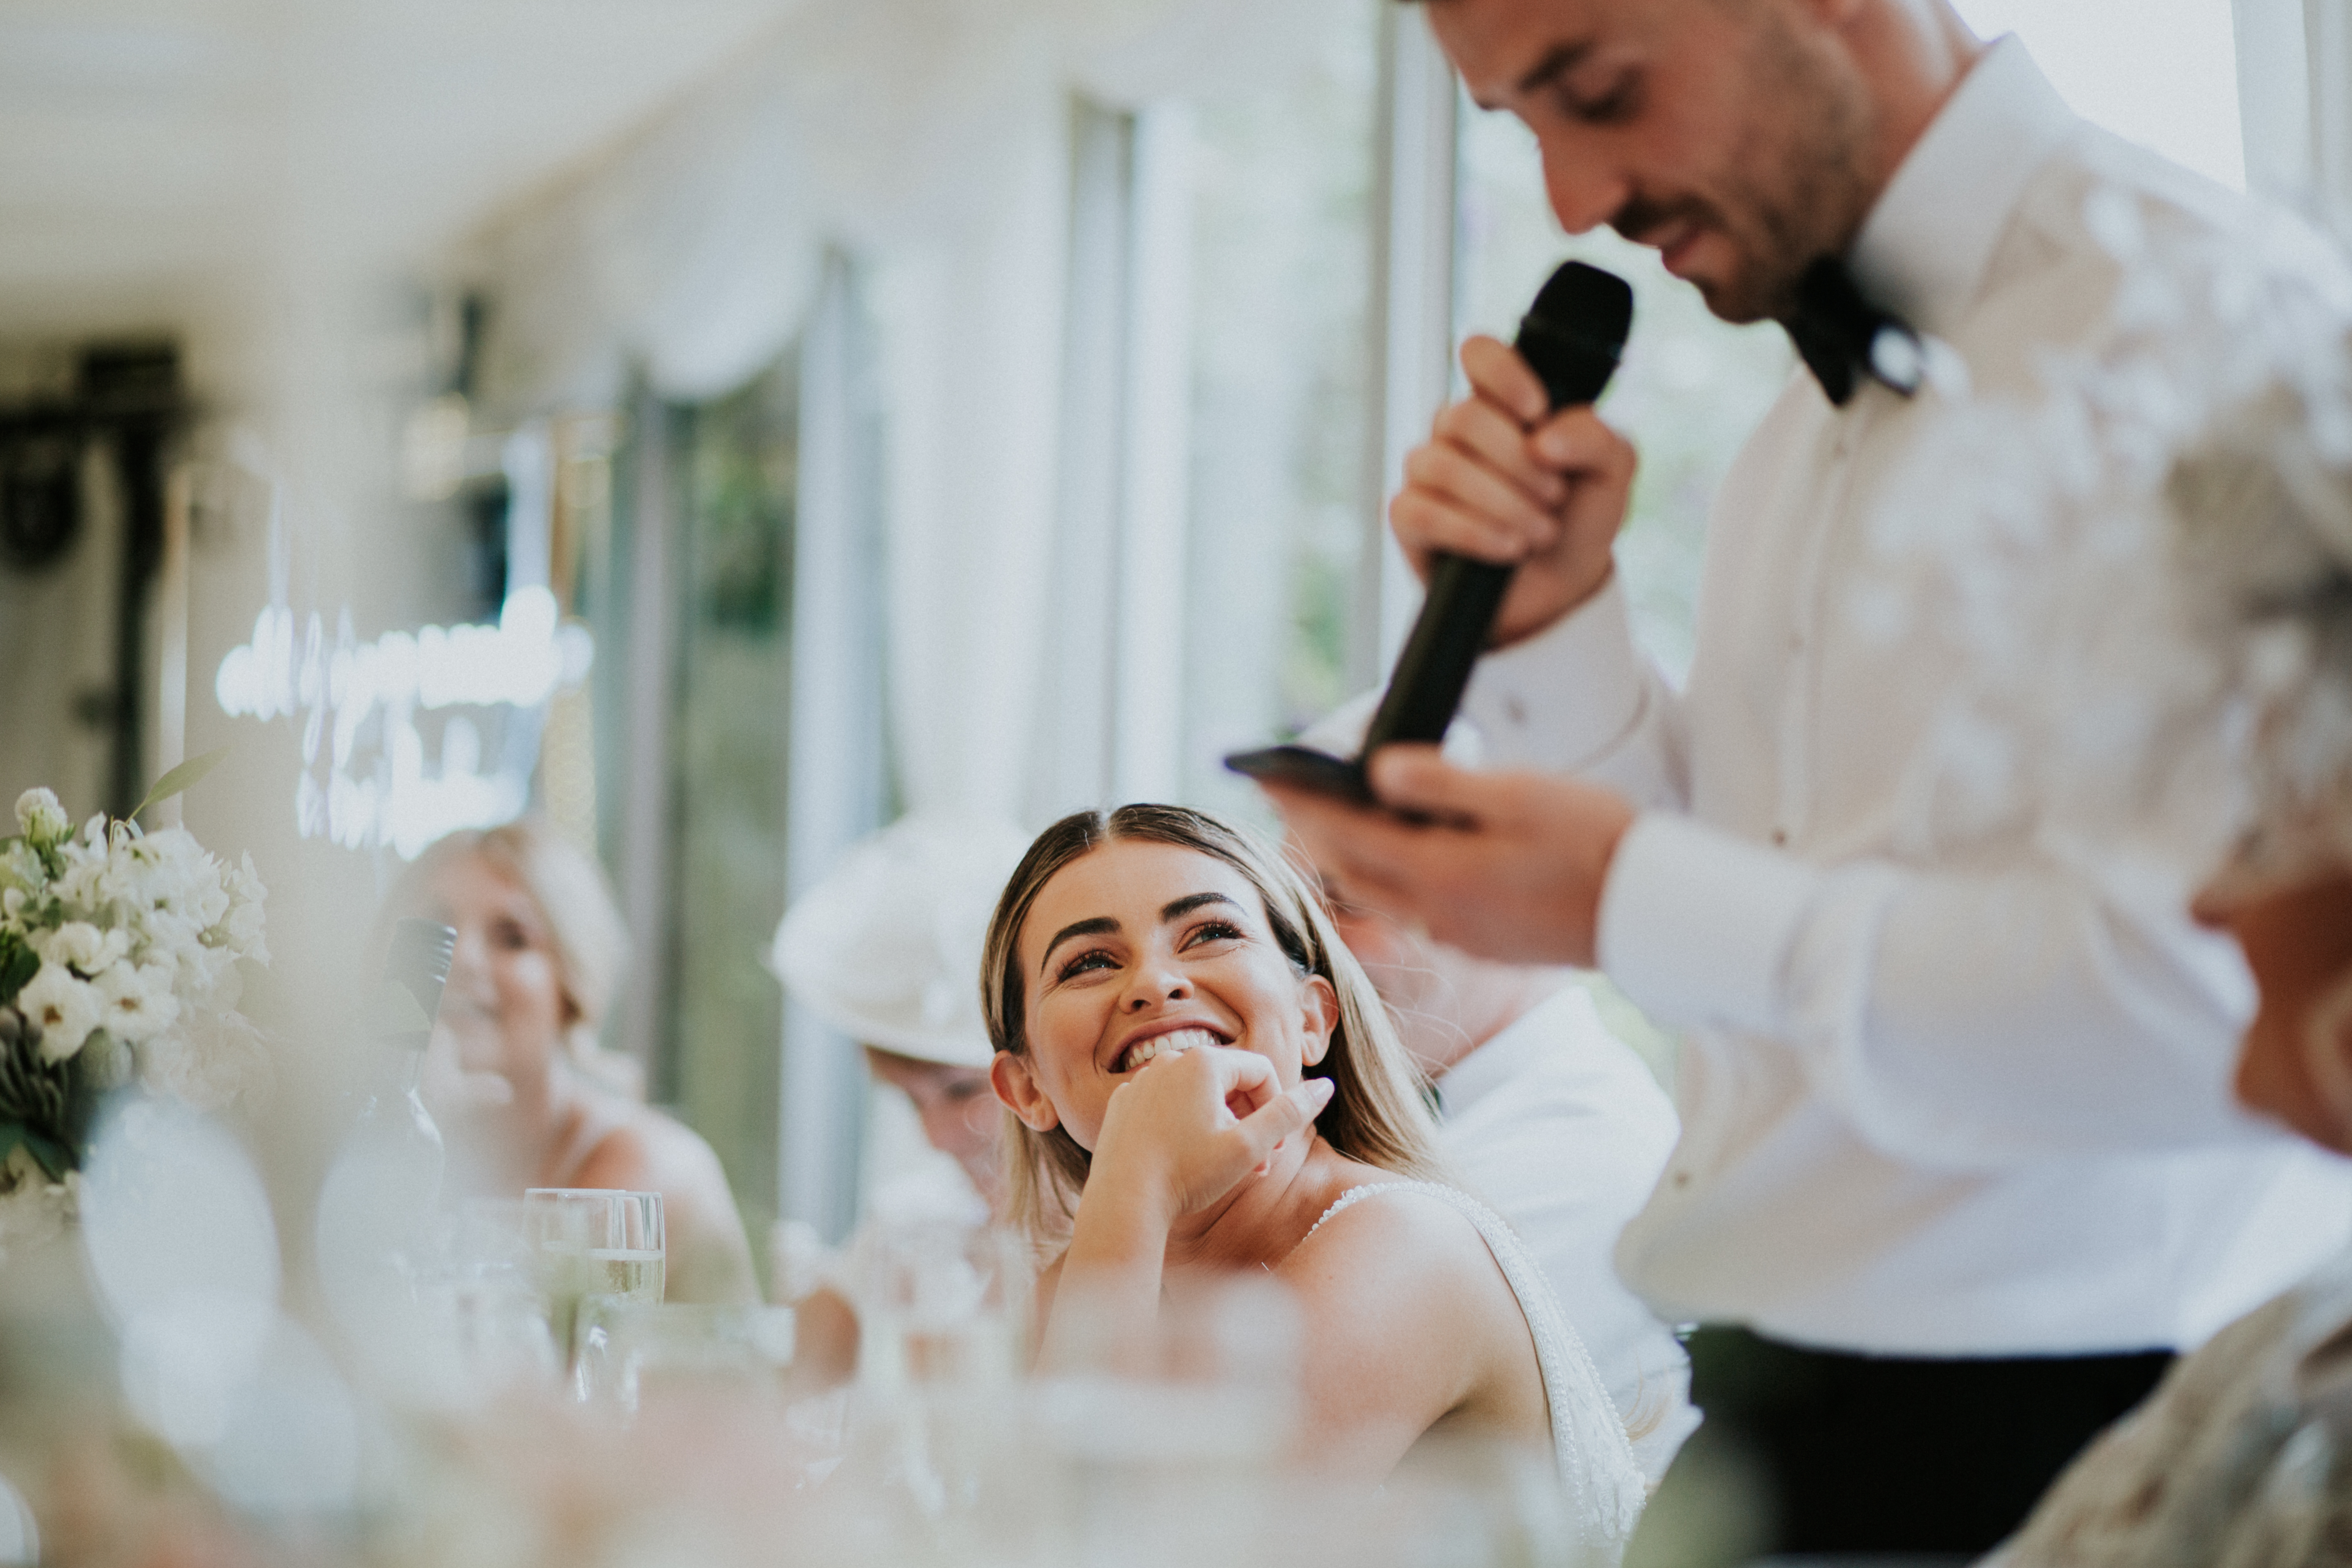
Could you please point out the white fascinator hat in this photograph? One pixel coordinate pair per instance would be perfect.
(887, 947)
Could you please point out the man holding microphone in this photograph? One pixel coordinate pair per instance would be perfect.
(1958, 1171)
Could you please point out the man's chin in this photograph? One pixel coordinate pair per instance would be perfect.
(1737, 302)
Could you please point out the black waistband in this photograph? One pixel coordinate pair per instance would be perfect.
(1875, 1453)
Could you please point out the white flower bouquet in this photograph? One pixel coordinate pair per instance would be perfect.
(118, 962)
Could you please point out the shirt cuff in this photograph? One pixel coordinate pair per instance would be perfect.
(1697, 925)
(1560, 699)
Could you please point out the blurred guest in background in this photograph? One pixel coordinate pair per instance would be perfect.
(524, 1095)
(1207, 1085)
(1554, 1120)
(1544, 1113)
(887, 950)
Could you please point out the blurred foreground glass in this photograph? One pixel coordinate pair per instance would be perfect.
(591, 1243)
(486, 1298)
(939, 1301)
(634, 1350)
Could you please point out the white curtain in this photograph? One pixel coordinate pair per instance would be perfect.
(931, 137)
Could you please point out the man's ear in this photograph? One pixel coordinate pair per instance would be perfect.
(1319, 1005)
(1016, 1085)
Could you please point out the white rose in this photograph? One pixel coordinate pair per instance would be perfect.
(21, 867)
(63, 1008)
(42, 818)
(171, 938)
(246, 931)
(82, 886)
(137, 1003)
(84, 947)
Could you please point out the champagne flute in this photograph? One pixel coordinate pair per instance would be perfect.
(592, 1242)
(632, 1267)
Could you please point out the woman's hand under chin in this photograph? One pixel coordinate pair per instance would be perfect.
(1188, 1127)
(1175, 1139)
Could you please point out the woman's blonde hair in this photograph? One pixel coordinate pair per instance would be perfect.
(592, 941)
(1377, 1114)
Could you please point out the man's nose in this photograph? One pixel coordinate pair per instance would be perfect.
(1586, 190)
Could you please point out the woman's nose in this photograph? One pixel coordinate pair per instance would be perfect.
(1154, 986)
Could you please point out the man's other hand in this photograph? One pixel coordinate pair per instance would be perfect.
(1510, 866)
(1502, 478)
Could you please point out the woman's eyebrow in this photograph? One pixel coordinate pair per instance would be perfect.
(1191, 902)
(1101, 925)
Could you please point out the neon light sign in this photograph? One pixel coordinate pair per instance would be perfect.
(359, 703)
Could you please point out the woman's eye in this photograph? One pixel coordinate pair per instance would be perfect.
(1097, 959)
(509, 936)
(1213, 931)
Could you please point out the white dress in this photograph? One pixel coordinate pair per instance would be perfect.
(1596, 1462)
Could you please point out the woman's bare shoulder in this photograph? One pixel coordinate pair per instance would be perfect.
(640, 1148)
(1401, 1237)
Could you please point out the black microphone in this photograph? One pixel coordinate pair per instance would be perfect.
(1571, 336)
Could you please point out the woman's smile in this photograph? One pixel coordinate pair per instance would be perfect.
(1160, 1041)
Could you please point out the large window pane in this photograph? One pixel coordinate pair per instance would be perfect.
(1281, 513)
(738, 472)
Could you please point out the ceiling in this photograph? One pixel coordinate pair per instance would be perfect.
(158, 156)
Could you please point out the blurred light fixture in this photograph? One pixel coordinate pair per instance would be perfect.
(515, 666)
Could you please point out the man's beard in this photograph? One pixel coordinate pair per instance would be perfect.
(1803, 186)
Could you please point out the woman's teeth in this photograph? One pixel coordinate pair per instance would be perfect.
(1163, 1046)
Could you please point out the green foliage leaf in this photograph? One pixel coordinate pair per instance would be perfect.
(19, 964)
(183, 777)
(50, 1153)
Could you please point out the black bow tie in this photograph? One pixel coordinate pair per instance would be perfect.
(1844, 337)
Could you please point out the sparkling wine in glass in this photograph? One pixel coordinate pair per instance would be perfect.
(631, 1271)
(592, 1243)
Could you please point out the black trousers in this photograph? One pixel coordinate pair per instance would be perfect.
(1809, 1452)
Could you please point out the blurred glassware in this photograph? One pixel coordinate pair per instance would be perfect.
(632, 1351)
(591, 1243)
(939, 1301)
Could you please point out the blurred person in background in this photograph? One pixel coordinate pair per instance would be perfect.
(524, 1094)
(887, 950)
(1208, 1087)
(1544, 1113)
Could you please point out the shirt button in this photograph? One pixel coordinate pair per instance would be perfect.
(1781, 837)
(1796, 642)
(1516, 709)
(1682, 1178)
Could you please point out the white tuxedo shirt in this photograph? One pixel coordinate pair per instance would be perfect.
(1560, 1128)
(1965, 1099)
